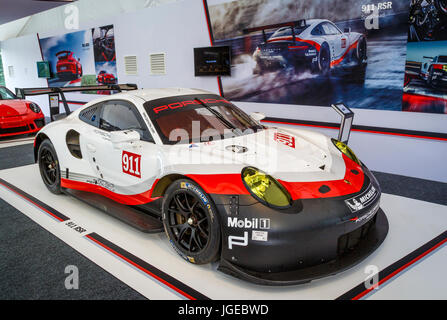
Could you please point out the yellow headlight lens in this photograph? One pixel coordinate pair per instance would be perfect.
(265, 187)
(346, 150)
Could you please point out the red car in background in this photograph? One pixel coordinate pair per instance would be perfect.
(106, 78)
(18, 116)
(68, 67)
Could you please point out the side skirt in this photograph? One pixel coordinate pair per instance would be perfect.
(134, 217)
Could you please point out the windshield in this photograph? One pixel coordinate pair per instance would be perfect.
(63, 55)
(198, 118)
(5, 94)
(442, 59)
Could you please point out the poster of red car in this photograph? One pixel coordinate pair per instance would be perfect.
(81, 58)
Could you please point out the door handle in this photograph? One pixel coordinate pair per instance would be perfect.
(91, 147)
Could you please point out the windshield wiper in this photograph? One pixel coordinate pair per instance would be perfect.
(227, 123)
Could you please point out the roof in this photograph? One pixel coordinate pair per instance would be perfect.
(152, 94)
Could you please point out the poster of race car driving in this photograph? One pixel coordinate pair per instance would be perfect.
(314, 52)
(81, 58)
(425, 87)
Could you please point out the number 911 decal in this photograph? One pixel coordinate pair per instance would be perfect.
(131, 164)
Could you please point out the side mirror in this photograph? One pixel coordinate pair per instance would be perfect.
(257, 116)
(123, 138)
(348, 30)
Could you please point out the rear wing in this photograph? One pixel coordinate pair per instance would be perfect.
(22, 93)
(291, 24)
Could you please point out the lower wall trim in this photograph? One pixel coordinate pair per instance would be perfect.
(361, 128)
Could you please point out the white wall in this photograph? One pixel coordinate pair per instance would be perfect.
(54, 19)
(376, 118)
(22, 54)
(174, 28)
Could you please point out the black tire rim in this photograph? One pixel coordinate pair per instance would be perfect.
(48, 166)
(188, 222)
(324, 60)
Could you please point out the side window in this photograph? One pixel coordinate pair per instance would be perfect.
(317, 31)
(91, 115)
(122, 115)
(334, 29)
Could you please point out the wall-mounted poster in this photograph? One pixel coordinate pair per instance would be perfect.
(426, 69)
(81, 58)
(314, 52)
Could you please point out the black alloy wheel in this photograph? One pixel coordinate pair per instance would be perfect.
(191, 223)
(49, 167)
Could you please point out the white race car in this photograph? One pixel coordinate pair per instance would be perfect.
(434, 71)
(316, 44)
(276, 206)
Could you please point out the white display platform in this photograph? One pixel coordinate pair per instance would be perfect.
(412, 224)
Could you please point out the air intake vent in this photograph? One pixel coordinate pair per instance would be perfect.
(130, 65)
(158, 63)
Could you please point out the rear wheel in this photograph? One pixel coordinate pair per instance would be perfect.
(191, 222)
(49, 167)
(324, 60)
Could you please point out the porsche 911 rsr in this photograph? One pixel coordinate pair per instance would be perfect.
(18, 116)
(317, 45)
(434, 72)
(275, 206)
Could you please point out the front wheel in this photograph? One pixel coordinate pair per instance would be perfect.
(441, 5)
(191, 222)
(360, 54)
(49, 167)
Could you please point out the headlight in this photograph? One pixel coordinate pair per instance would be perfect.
(346, 150)
(34, 107)
(265, 188)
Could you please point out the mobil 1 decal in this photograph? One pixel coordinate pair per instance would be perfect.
(131, 164)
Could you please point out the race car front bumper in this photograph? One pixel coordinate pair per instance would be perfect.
(313, 239)
(370, 242)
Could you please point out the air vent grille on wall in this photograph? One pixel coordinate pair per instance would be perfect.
(11, 71)
(130, 65)
(158, 63)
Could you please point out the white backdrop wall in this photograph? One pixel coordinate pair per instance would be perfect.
(177, 28)
(174, 28)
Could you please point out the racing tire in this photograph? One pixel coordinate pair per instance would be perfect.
(49, 167)
(324, 60)
(429, 77)
(361, 51)
(441, 5)
(191, 222)
(258, 69)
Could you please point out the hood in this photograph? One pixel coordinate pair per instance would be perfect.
(12, 108)
(286, 154)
